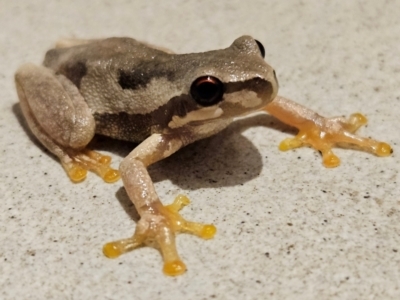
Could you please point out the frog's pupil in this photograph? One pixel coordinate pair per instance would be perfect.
(207, 90)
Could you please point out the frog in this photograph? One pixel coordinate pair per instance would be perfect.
(162, 101)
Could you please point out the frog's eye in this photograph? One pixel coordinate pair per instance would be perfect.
(207, 90)
(261, 47)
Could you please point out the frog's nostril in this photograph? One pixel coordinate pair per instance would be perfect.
(276, 79)
(261, 47)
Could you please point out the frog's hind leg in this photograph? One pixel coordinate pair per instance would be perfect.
(61, 120)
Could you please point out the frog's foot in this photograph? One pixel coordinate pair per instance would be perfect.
(77, 165)
(160, 227)
(324, 133)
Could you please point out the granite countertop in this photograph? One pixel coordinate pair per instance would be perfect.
(287, 227)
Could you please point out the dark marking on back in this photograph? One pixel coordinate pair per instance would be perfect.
(142, 74)
(74, 72)
(132, 80)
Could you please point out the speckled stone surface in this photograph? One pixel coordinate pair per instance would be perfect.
(287, 227)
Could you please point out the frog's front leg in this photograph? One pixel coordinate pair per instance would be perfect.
(158, 224)
(323, 133)
(61, 120)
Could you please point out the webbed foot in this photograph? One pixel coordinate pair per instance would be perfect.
(159, 228)
(324, 133)
(87, 160)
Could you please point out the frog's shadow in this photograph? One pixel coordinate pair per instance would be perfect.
(225, 159)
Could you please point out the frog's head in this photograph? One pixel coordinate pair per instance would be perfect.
(237, 78)
(230, 82)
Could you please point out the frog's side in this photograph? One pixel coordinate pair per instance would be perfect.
(127, 90)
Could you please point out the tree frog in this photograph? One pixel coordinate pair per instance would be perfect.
(128, 90)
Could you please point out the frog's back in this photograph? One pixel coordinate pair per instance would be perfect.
(108, 74)
(95, 50)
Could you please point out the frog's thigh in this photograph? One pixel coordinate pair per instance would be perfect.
(55, 111)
